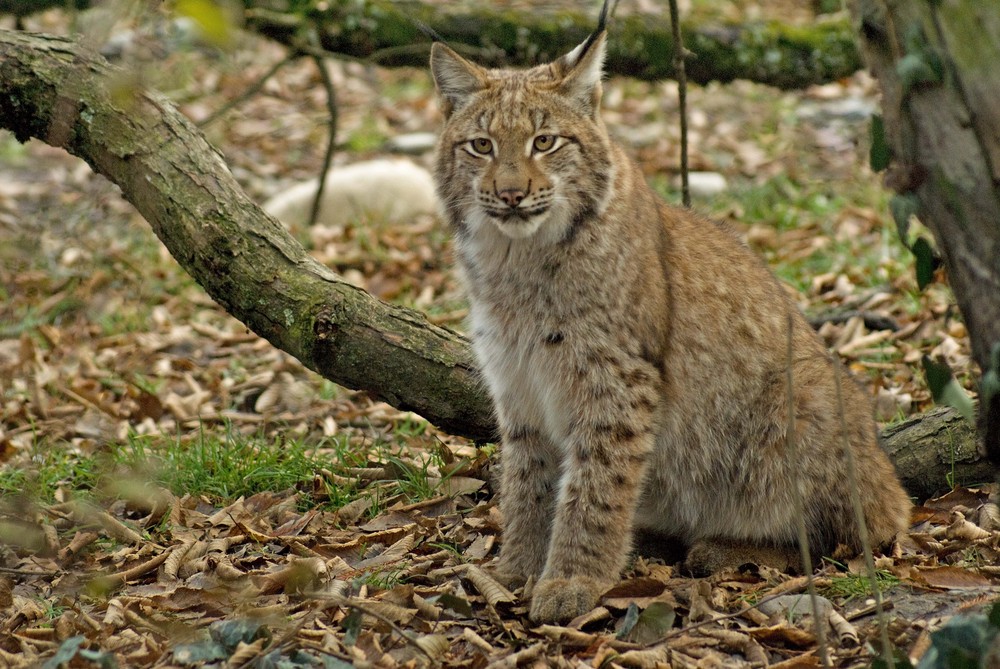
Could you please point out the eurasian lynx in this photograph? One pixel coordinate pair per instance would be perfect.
(636, 353)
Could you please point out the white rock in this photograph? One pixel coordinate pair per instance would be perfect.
(381, 191)
(413, 143)
(706, 184)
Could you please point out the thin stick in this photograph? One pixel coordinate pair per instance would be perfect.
(859, 515)
(791, 448)
(331, 140)
(679, 56)
(251, 91)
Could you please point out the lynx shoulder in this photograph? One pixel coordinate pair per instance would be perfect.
(636, 353)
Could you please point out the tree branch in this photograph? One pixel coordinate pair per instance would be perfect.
(53, 89)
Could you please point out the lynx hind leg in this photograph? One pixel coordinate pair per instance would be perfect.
(707, 556)
(884, 503)
(828, 486)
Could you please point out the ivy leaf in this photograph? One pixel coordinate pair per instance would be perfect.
(653, 623)
(230, 633)
(914, 69)
(628, 622)
(946, 390)
(901, 661)
(459, 605)
(880, 153)
(926, 262)
(994, 614)
(212, 21)
(903, 207)
(989, 387)
(963, 642)
(352, 627)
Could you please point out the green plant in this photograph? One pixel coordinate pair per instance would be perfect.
(849, 586)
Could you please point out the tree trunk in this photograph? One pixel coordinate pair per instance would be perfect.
(51, 89)
(641, 45)
(937, 66)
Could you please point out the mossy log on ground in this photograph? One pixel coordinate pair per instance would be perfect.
(936, 450)
(640, 45)
(53, 90)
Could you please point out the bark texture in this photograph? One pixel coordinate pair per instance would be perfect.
(936, 451)
(52, 89)
(640, 45)
(937, 66)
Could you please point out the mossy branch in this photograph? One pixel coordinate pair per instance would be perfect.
(640, 45)
(56, 91)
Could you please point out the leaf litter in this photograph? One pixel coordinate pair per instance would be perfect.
(112, 361)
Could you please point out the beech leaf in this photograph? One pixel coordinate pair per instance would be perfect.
(946, 390)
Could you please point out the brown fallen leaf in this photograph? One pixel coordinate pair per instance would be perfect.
(488, 586)
(783, 634)
(948, 578)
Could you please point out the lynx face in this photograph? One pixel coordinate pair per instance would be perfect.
(526, 148)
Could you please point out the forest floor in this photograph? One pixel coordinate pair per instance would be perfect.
(176, 492)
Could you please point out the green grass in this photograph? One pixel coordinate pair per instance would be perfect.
(381, 580)
(52, 469)
(848, 586)
(228, 465)
(223, 464)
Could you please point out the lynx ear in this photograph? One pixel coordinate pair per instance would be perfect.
(583, 68)
(456, 78)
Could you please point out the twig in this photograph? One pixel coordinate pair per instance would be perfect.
(684, 630)
(859, 515)
(791, 447)
(679, 56)
(28, 572)
(117, 579)
(251, 91)
(331, 141)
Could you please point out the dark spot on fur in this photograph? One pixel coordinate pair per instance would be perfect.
(521, 433)
(617, 431)
(636, 377)
(579, 222)
(554, 338)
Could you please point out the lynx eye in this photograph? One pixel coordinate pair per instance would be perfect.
(482, 145)
(544, 143)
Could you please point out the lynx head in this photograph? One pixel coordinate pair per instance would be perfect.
(522, 150)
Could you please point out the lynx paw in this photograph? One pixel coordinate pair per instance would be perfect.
(560, 599)
(708, 556)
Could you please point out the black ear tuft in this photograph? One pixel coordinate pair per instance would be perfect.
(607, 9)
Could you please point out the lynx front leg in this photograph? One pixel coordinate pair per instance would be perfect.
(529, 472)
(606, 459)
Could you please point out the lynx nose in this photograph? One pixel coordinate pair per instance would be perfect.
(512, 196)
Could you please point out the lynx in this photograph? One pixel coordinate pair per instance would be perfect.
(636, 354)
